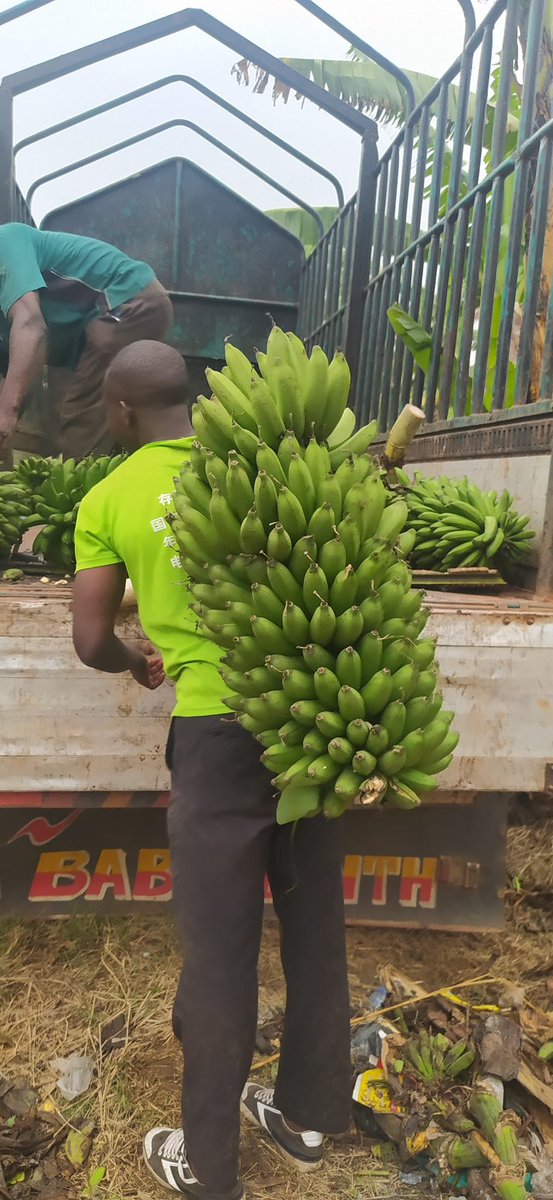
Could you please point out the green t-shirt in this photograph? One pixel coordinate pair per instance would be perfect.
(124, 520)
(77, 278)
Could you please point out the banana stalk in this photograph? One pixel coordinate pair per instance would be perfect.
(401, 435)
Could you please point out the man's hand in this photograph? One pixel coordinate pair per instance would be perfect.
(8, 422)
(145, 665)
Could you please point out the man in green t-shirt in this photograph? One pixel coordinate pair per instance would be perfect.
(71, 302)
(223, 834)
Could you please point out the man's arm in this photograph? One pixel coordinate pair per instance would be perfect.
(97, 596)
(28, 347)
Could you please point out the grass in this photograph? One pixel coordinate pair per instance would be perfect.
(61, 981)
(64, 980)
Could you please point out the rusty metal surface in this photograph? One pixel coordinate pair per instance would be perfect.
(225, 272)
(66, 728)
(513, 438)
(440, 867)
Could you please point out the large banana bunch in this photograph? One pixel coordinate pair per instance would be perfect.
(56, 504)
(458, 525)
(15, 507)
(297, 570)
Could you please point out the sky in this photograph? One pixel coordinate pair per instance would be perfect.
(424, 36)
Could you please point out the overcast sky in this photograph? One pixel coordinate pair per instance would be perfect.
(424, 36)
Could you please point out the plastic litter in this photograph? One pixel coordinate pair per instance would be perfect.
(75, 1075)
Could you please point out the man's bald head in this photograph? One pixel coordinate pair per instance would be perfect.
(146, 391)
(147, 374)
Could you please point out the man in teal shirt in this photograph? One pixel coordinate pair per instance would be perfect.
(71, 302)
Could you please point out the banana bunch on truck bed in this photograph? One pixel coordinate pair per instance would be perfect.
(56, 504)
(458, 525)
(15, 507)
(296, 560)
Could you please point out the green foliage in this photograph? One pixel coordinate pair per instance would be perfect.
(301, 224)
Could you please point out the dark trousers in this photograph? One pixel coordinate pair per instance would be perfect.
(83, 427)
(224, 840)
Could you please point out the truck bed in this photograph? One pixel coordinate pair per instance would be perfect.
(67, 728)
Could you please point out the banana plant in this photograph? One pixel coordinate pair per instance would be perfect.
(356, 80)
(302, 225)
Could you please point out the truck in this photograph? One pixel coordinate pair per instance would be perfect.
(452, 223)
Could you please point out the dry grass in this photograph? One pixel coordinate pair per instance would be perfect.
(61, 981)
(530, 856)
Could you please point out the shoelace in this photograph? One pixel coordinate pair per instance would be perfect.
(265, 1095)
(173, 1146)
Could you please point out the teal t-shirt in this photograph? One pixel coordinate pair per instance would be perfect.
(124, 520)
(76, 277)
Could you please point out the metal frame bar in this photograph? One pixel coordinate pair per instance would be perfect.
(470, 18)
(167, 81)
(21, 10)
(341, 29)
(75, 60)
(148, 133)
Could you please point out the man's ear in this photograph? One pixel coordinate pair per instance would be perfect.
(127, 414)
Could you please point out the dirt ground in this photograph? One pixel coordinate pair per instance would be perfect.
(62, 981)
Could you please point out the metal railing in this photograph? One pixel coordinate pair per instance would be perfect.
(325, 284)
(461, 240)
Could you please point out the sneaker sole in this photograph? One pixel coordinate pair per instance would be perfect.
(304, 1167)
(168, 1186)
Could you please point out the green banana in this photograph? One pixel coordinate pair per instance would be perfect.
(377, 692)
(315, 588)
(327, 686)
(347, 784)
(332, 558)
(322, 524)
(269, 636)
(314, 742)
(291, 514)
(295, 624)
(351, 705)
(331, 724)
(252, 533)
(322, 624)
(315, 656)
(238, 489)
(370, 650)
(338, 384)
(304, 551)
(340, 750)
(265, 500)
(342, 430)
(377, 740)
(298, 686)
(266, 603)
(279, 543)
(358, 732)
(349, 667)
(302, 486)
(357, 444)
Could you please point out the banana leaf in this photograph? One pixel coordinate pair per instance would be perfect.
(357, 81)
(413, 335)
